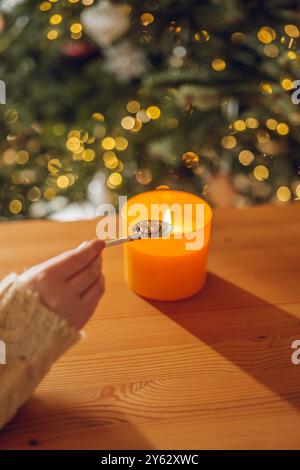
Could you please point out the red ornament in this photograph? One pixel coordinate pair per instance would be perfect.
(2, 23)
(77, 49)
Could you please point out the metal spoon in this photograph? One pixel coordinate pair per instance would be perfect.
(145, 229)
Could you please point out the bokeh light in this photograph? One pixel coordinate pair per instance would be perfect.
(246, 157)
(121, 143)
(291, 30)
(108, 143)
(15, 206)
(266, 35)
(62, 182)
(128, 122)
(282, 128)
(153, 112)
(261, 172)
(284, 194)
(190, 159)
(55, 19)
(114, 180)
(146, 19)
(229, 142)
(133, 106)
(45, 6)
(218, 65)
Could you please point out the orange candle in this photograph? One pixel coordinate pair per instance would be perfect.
(169, 268)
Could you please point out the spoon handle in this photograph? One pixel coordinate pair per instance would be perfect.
(121, 240)
(118, 241)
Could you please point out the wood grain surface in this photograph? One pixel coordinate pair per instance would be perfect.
(211, 372)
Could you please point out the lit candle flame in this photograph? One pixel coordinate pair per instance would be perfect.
(175, 224)
(179, 223)
(167, 217)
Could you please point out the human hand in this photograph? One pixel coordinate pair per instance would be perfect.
(70, 284)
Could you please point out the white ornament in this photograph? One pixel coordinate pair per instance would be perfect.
(125, 61)
(105, 22)
(8, 5)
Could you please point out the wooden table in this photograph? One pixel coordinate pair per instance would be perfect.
(213, 371)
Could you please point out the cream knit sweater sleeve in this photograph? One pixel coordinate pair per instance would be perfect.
(34, 337)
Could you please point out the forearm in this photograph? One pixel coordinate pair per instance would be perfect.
(34, 337)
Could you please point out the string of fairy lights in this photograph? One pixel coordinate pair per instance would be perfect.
(86, 147)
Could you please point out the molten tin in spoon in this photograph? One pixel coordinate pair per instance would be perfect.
(145, 229)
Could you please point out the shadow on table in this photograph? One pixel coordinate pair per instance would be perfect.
(253, 334)
(54, 424)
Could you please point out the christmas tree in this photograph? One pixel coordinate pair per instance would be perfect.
(130, 96)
